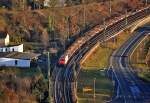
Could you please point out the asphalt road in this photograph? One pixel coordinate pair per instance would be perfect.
(64, 79)
(128, 87)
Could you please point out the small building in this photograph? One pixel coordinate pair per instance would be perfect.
(16, 59)
(4, 39)
(60, 3)
(46, 3)
(12, 48)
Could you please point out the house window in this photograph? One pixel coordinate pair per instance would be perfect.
(13, 50)
(16, 62)
(6, 49)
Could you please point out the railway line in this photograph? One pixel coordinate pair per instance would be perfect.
(64, 79)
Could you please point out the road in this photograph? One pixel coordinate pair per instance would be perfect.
(128, 87)
(64, 79)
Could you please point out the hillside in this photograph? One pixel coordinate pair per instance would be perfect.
(40, 26)
(32, 25)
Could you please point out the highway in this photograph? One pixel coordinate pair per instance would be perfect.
(128, 87)
(64, 78)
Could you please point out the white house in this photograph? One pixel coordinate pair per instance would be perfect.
(10, 62)
(60, 3)
(12, 48)
(46, 3)
(4, 39)
(16, 59)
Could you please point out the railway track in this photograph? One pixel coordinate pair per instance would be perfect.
(64, 79)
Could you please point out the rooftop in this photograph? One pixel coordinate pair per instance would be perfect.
(18, 55)
(11, 45)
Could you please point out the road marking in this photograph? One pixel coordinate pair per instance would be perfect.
(111, 62)
(125, 99)
(128, 45)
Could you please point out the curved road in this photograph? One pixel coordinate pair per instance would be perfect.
(129, 88)
(63, 78)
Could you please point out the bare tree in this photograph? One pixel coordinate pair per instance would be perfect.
(45, 38)
(53, 3)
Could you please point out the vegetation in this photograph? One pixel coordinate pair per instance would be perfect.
(30, 23)
(140, 60)
(145, 76)
(93, 67)
(22, 85)
(33, 25)
(103, 86)
(100, 57)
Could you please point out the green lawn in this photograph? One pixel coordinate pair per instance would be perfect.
(98, 59)
(103, 86)
(145, 76)
(139, 63)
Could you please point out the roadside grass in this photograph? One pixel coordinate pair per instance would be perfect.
(117, 41)
(100, 57)
(142, 70)
(145, 76)
(139, 64)
(103, 86)
(93, 67)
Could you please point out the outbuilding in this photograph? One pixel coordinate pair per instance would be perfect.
(12, 48)
(16, 59)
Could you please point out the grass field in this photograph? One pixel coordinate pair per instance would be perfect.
(139, 64)
(103, 86)
(100, 57)
(145, 76)
(92, 66)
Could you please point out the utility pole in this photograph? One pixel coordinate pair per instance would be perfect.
(94, 89)
(67, 30)
(126, 13)
(68, 19)
(84, 14)
(137, 56)
(104, 24)
(140, 52)
(146, 2)
(110, 8)
(33, 4)
(75, 77)
(74, 70)
(64, 41)
(49, 79)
